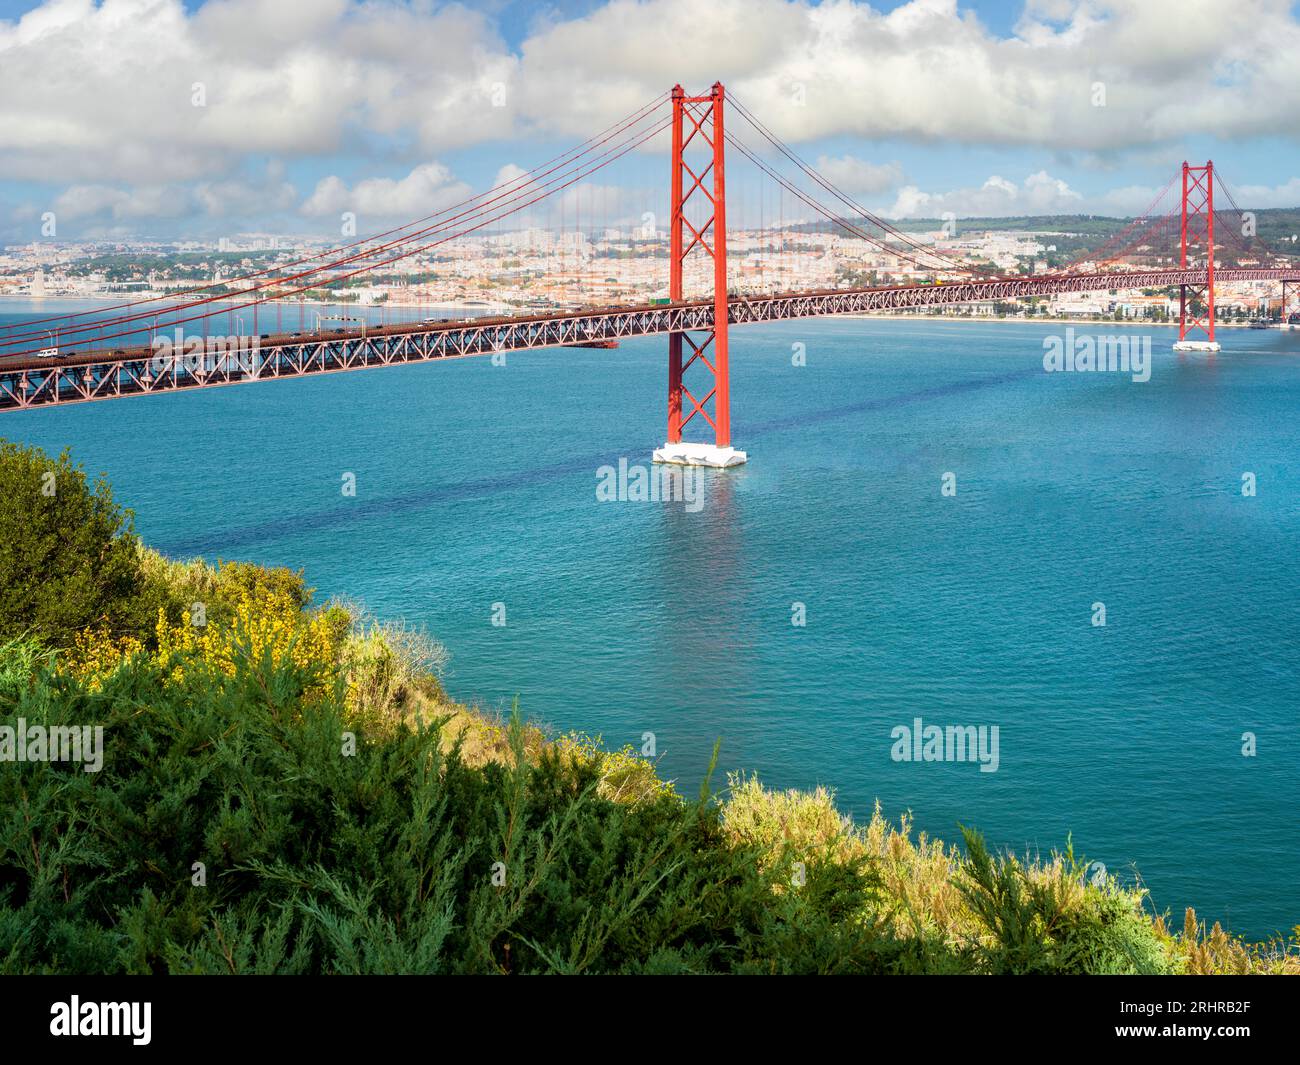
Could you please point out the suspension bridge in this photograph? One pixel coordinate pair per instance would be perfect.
(1181, 241)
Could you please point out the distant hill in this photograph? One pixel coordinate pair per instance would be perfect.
(1076, 234)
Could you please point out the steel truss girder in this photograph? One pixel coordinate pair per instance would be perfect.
(117, 378)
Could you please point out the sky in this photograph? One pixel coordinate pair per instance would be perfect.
(177, 118)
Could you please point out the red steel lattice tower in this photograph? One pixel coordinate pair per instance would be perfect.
(1293, 283)
(1198, 227)
(698, 123)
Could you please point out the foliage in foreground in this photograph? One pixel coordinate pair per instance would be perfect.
(408, 856)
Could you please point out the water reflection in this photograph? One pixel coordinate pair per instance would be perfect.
(709, 660)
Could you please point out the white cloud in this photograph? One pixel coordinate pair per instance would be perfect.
(859, 177)
(104, 92)
(1133, 200)
(107, 92)
(242, 197)
(106, 209)
(1284, 195)
(1039, 193)
(930, 71)
(96, 97)
(104, 201)
(509, 175)
(424, 190)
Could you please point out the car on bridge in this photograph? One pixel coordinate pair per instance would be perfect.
(48, 353)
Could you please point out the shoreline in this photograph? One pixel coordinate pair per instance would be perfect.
(1036, 320)
(506, 308)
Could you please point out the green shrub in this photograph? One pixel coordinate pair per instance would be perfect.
(398, 855)
(1047, 920)
(176, 587)
(68, 553)
(382, 861)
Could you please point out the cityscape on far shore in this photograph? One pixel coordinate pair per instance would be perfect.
(535, 269)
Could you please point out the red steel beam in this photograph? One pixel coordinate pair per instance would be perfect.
(107, 375)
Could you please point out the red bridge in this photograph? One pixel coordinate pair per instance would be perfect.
(697, 329)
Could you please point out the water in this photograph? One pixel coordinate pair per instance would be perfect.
(476, 485)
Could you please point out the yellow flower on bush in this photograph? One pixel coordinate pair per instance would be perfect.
(95, 654)
(267, 625)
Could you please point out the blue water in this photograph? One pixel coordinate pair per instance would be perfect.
(476, 485)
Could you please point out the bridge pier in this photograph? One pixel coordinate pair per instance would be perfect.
(687, 453)
(704, 114)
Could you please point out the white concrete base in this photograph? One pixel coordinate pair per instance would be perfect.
(1198, 345)
(699, 455)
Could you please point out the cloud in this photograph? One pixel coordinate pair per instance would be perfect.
(426, 189)
(510, 174)
(108, 91)
(1041, 194)
(115, 210)
(929, 71)
(1284, 195)
(141, 90)
(103, 201)
(859, 177)
(1038, 194)
(154, 100)
(241, 196)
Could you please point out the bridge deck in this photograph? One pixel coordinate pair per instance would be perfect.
(94, 375)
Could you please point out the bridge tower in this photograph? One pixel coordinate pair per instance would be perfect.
(1293, 282)
(698, 122)
(1198, 225)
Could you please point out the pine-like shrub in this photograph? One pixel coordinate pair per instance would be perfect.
(69, 558)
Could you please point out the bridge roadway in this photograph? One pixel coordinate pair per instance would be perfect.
(27, 381)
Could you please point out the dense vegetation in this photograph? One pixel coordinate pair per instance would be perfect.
(286, 789)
